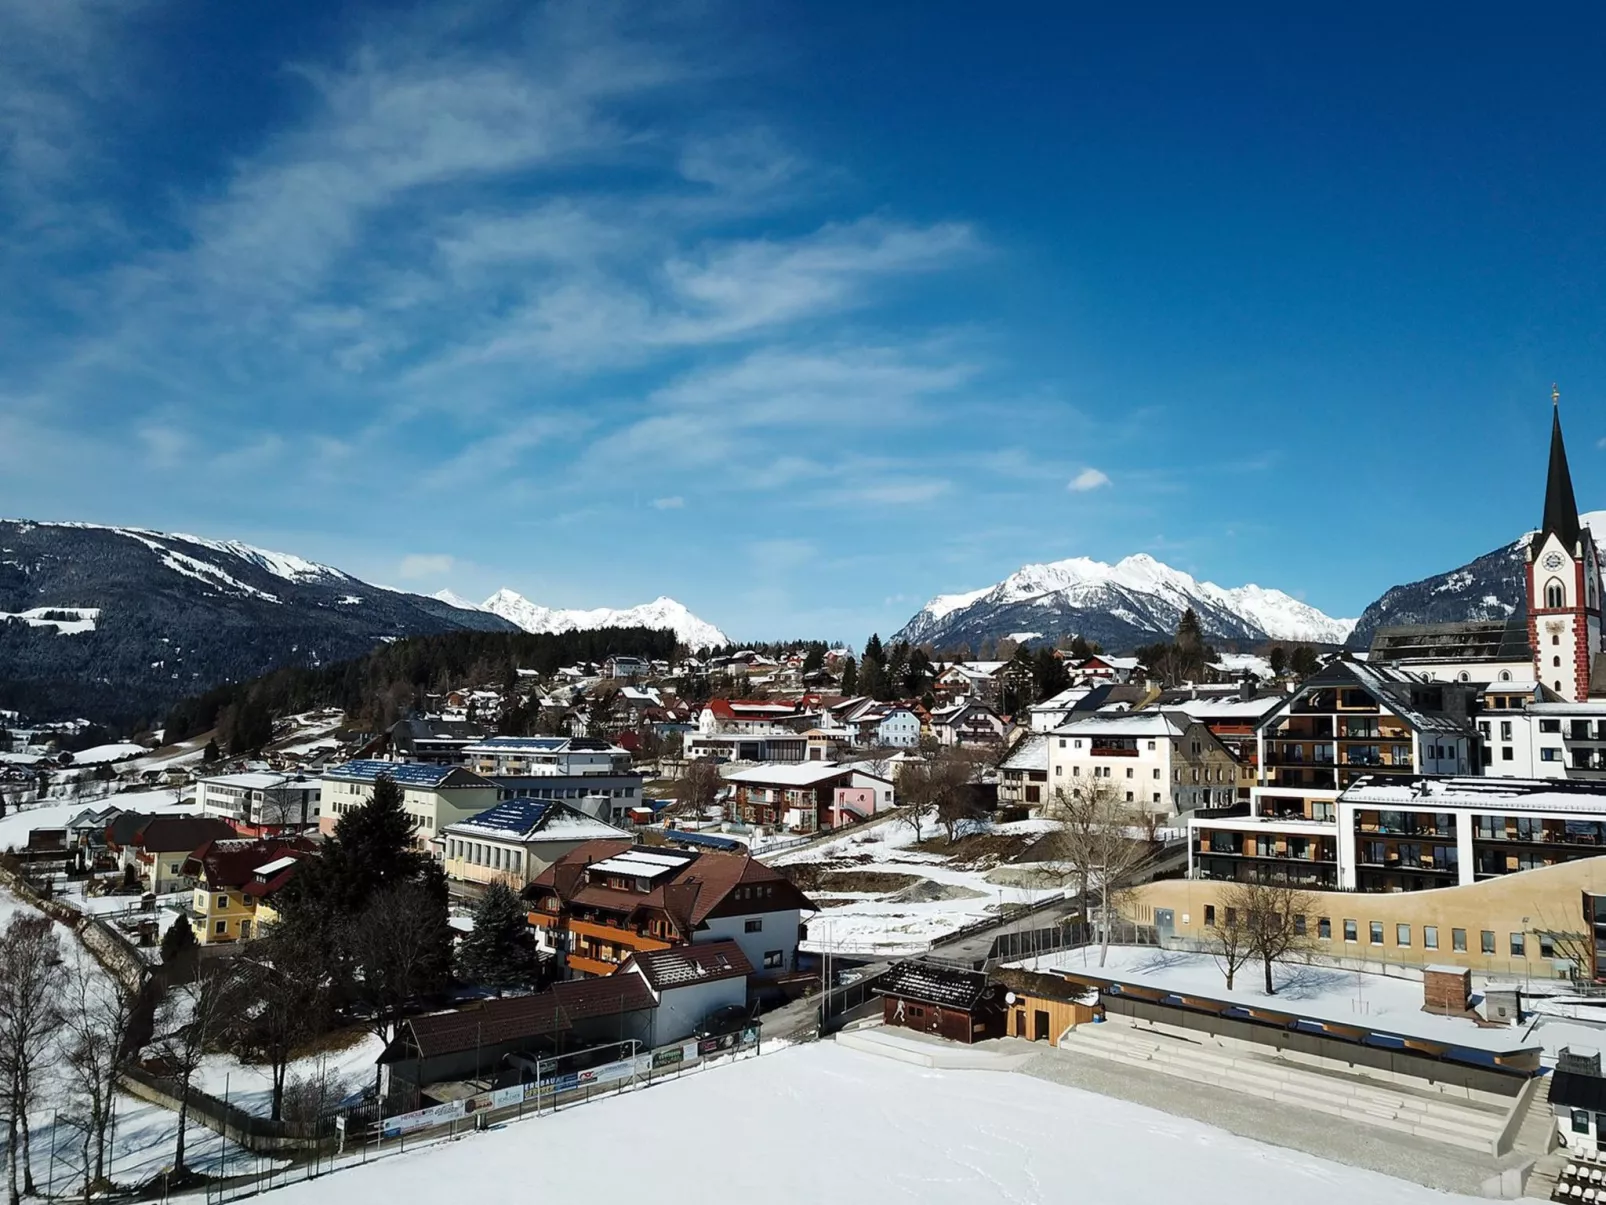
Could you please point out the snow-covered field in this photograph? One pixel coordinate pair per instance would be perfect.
(902, 1133)
(117, 751)
(1324, 992)
(899, 921)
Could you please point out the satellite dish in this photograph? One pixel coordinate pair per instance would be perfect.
(1009, 997)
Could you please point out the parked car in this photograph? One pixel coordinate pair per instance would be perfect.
(729, 1019)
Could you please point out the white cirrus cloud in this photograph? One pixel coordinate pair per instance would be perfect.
(1088, 479)
(673, 502)
(425, 564)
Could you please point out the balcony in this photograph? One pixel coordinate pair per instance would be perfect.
(590, 966)
(1113, 751)
(635, 939)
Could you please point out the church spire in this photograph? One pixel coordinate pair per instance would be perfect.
(1561, 507)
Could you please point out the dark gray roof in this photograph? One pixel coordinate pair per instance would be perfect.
(1561, 506)
(934, 983)
(1470, 640)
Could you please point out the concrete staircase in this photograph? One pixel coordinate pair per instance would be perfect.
(1455, 1122)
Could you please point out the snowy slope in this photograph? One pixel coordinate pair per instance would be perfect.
(453, 599)
(911, 1134)
(661, 613)
(1138, 597)
(1490, 587)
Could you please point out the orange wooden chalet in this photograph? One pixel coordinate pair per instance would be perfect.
(607, 900)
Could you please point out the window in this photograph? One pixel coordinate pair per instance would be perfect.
(1430, 937)
(1550, 726)
(1402, 935)
(755, 925)
(1299, 925)
(1129, 771)
(1157, 774)
(1555, 595)
(1324, 928)
(1151, 746)
(1458, 940)
(1156, 798)
(222, 901)
(1350, 929)
(1519, 945)
(1210, 916)
(1486, 941)
(1505, 752)
(1374, 932)
(1505, 730)
(1129, 796)
(1232, 916)
(774, 959)
(1580, 1121)
(1547, 946)
(172, 868)
(222, 927)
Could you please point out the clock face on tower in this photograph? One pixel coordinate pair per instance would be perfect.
(1553, 561)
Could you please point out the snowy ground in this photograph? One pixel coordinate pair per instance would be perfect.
(250, 1087)
(144, 1134)
(21, 820)
(119, 751)
(1327, 993)
(903, 1133)
(888, 922)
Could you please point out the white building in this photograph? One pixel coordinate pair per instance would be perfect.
(527, 756)
(1166, 762)
(433, 796)
(261, 800)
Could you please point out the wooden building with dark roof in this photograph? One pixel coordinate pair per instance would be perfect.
(950, 1002)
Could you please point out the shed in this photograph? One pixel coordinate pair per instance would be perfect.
(1041, 1008)
(952, 1002)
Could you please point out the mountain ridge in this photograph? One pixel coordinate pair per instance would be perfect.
(1133, 601)
(661, 612)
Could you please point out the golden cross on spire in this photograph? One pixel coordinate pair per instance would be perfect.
(1555, 395)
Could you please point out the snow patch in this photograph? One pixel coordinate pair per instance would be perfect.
(660, 613)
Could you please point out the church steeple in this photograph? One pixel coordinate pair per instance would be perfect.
(1561, 507)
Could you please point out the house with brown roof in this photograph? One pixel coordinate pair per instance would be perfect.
(473, 1042)
(689, 984)
(608, 900)
(158, 846)
(236, 881)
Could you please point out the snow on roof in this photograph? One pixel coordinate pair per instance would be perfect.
(1134, 723)
(1506, 794)
(790, 774)
(1252, 709)
(1030, 754)
(260, 781)
(274, 867)
(526, 819)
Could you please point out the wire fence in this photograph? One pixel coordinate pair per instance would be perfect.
(239, 1173)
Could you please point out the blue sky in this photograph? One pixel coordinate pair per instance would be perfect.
(801, 313)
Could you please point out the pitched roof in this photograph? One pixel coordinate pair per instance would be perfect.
(933, 983)
(178, 834)
(526, 819)
(704, 962)
(1561, 506)
(704, 883)
(516, 1018)
(234, 863)
(407, 774)
(1044, 987)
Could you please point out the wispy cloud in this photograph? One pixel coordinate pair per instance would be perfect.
(421, 565)
(1088, 479)
(674, 502)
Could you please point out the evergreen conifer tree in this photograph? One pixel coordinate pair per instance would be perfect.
(178, 942)
(371, 848)
(500, 952)
(211, 753)
(850, 677)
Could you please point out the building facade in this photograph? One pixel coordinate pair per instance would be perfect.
(516, 840)
(261, 802)
(1164, 762)
(433, 796)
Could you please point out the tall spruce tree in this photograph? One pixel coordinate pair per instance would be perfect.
(500, 951)
(850, 676)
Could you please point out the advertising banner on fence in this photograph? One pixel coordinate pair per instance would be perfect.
(422, 1118)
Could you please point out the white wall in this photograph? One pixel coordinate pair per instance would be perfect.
(779, 933)
(681, 1009)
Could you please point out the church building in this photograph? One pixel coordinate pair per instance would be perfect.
(1564, 588)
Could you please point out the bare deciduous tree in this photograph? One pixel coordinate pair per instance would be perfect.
(1277, 916)
(399, 948)
(1227, 939)
(99, 1014)
(31, 976)
(1100, 840)
(697, 789)
(192, 1019)
(286, 976)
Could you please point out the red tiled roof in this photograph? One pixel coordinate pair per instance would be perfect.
(232, 863)
(180, 834)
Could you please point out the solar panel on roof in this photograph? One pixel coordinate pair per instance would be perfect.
(404, 773)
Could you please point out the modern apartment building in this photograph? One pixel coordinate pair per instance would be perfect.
(261, 803)
(434, 796)
(516, 840)
(527, 756)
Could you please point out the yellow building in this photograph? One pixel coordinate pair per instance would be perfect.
(235, 882)
(1536, 923)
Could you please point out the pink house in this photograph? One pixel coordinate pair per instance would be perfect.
(849, 805)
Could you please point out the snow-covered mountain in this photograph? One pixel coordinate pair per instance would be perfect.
(661, 613)
(1490, 587)
(117, 623)
(1134, 601)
